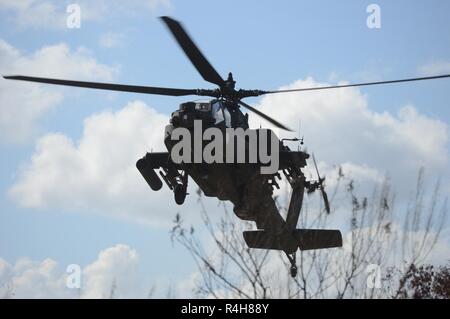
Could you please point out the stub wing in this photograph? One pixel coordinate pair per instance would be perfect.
(148, 165)
(305, 239)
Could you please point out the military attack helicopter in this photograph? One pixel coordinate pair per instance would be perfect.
(241, 183)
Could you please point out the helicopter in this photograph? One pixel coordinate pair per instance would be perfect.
(243, 184)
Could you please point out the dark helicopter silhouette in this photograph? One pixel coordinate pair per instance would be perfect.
(241, 183)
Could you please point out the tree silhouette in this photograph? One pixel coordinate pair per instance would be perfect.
(378, 234)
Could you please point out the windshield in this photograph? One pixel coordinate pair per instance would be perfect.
(221, 114)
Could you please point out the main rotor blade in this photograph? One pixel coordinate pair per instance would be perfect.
(359, 84)
(194, 54)
(264, 116)
(106, 86)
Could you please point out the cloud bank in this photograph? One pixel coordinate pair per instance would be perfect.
(21, 103)
(113, 274)
(341, 129)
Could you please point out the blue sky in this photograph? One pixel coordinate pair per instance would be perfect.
(266, 44)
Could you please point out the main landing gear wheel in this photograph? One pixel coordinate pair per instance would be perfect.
(180, 193)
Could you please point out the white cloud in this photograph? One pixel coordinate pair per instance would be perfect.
(114, 267)
(340, 128)
(45, 14)
(107, 9)
(21, 103)
(34, 14)
(435, 68)
(115, 272)
(30, 279)
(98, 173)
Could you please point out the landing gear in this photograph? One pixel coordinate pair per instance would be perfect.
(180, 189)
(293, 270)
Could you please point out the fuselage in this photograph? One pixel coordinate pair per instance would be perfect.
(241, 183)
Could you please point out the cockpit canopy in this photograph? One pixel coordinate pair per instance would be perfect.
(220, 113)
(203, 106)
(215, 110)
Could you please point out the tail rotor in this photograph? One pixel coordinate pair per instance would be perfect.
(321, 186)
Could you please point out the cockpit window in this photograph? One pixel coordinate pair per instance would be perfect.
(221, 113)
(217, 112)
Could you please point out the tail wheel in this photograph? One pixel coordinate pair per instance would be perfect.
(179, 193)
(293, 271)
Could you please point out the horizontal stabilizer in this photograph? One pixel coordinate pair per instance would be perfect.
(305, 239)
(318, 238)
